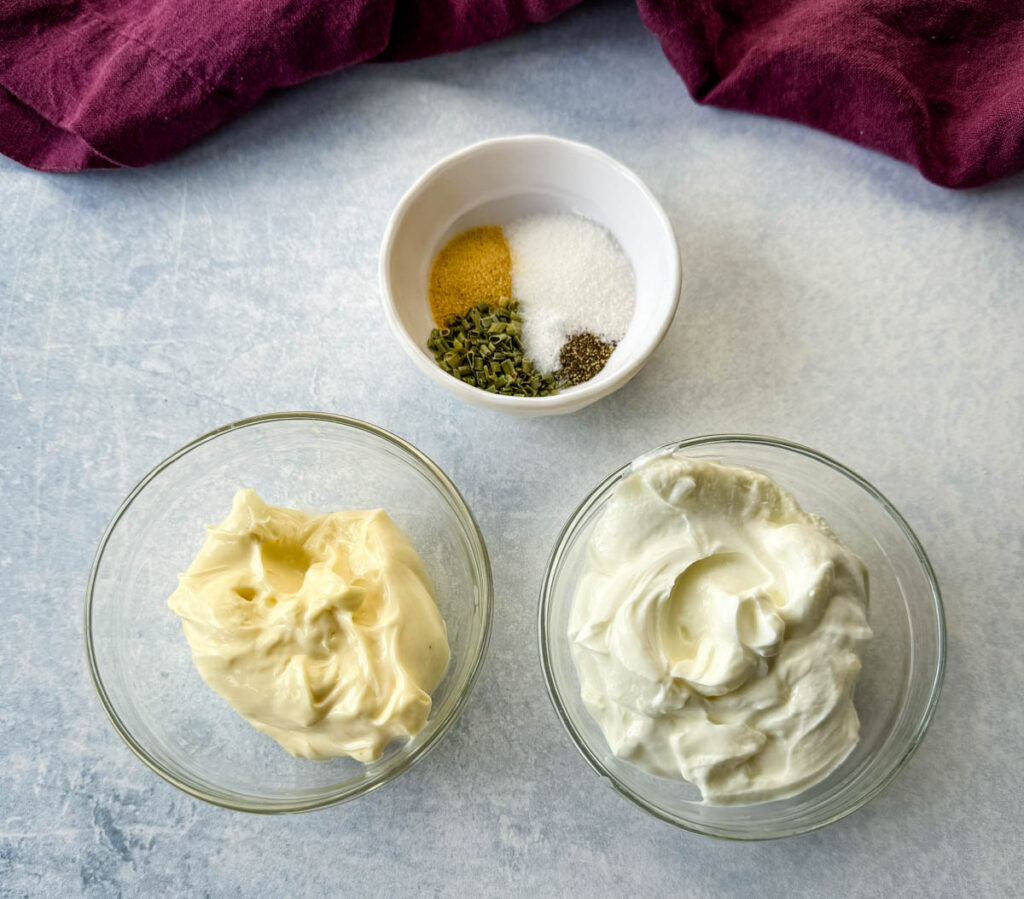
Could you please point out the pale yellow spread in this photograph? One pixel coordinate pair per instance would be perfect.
(320, 630)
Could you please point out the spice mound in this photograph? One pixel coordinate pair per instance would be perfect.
(532, 308)
(716, 631)
(320, 630)
(483, 348)
(475, 267)
(570, 276)
(583, 356)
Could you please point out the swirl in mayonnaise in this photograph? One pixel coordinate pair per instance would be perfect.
(320, 630)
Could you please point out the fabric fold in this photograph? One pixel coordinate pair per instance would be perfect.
(936, 83)
(106, 83)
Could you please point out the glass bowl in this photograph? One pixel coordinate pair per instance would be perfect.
(903, 663)
(140, 660)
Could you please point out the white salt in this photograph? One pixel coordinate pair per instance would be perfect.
(569, 275)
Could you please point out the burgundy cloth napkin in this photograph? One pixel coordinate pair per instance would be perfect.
(936, 83)
(101, 83)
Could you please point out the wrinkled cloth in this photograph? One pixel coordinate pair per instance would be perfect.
(936, 83)
(105, 83)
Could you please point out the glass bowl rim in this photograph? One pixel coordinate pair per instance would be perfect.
(859, 799)
(332, 796)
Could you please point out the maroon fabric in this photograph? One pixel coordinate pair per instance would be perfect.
(100, 83)
(93, 83)
(937, 83)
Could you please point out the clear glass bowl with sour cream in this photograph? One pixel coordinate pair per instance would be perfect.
(903, 662)
(139, 658)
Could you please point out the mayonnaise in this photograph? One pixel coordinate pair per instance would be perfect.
(320, 630)
(715, 631)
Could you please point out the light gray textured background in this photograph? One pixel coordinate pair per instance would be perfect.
(831, 296)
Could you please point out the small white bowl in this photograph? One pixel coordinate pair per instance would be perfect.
(497, 181)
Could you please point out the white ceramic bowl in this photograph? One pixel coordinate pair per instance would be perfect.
(496, 181)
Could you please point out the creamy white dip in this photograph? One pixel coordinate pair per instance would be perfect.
(715, 631)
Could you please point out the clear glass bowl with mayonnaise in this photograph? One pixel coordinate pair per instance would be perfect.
(894, 696)
(141, 662)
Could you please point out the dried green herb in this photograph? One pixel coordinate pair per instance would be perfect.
(483, 347)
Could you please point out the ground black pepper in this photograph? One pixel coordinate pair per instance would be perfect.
(582, 357)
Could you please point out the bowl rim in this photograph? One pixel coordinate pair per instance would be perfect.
(571, 398)
(591, 757)
(329, 798)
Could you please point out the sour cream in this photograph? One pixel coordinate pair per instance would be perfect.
(715, 631)
(320, 630)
